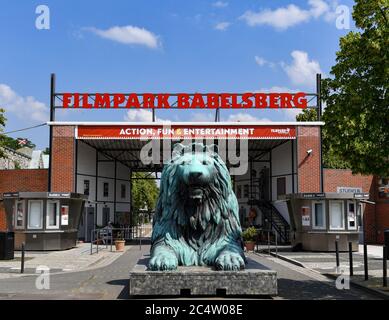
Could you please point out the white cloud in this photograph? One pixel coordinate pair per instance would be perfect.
(286, 114)
(220, 4)
(204, 116)
(222, 26)
(244, 117)
(302, 71)
(318, 8)
(284, 17)
(263, 62)
(129, 35)
(23, 107)
(140, 115)
(260, 61)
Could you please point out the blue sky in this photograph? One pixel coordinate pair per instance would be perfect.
(165, 46)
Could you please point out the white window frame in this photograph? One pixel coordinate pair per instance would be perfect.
(28, 215)
(314, 215)
(47, 215)
(355, 213)
(330, 214)
(24, 214)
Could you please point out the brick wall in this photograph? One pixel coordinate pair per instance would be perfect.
(334, 178)
(381, 214)
(63, 159)
(308, 137)
(21, 180)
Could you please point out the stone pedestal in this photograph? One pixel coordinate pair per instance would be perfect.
(254, 280)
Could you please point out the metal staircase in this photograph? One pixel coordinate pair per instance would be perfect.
(273, 217)
(270, 213)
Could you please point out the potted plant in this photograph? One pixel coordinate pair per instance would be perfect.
(119, 242)
(249, 237)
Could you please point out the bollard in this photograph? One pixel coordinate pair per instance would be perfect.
(384, 265)
(365, 262)
(140, 238)
(337, 255)
(22, 261)
(350, 254)
(268, 241)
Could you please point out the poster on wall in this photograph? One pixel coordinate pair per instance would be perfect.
(305, 216)
(64, 215)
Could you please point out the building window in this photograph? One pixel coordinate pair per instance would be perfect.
(246, 191)
(52, 214)
(123, 191)
(19, 215)
(105, 189)
(86, 187)
(281, 186)
(319, 215)
(35, 214)
(351, 215)
(336, 215)
(239, 191)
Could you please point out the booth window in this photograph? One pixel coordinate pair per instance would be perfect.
(35, 214)
(86, 187)
(319, 216)
(281, 186)
(19, 215)
(52, 214)
(105, 189)
(123, 191)
(336, 215)
(351, 215)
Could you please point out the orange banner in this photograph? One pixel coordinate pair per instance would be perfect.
(186, 132)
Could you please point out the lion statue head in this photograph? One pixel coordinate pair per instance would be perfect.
(196, 220)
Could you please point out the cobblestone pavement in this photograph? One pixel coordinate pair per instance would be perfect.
(297, 283)
(75, 259)
(326, 262)
(111, 282)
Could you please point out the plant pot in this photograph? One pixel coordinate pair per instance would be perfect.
(119, 245)
(250, 245)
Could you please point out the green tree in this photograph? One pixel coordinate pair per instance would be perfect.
(15, 143)
(357, 95)
(144, 192)
(331, 159)
(307, 115)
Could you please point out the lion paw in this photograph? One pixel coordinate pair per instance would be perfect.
(163, 261)
(229, 261)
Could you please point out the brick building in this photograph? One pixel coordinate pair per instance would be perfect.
(100, 167)
(18, 180)
(284, 158)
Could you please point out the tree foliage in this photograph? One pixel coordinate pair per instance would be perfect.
(357, 95)
(144, 192)
(331, 159)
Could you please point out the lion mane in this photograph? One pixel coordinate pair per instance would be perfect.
(196, 220)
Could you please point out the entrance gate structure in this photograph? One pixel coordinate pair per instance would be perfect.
(99, 158)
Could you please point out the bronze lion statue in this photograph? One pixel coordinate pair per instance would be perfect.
(196, 221)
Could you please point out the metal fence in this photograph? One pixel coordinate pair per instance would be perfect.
(106, 237)
(267, 240)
